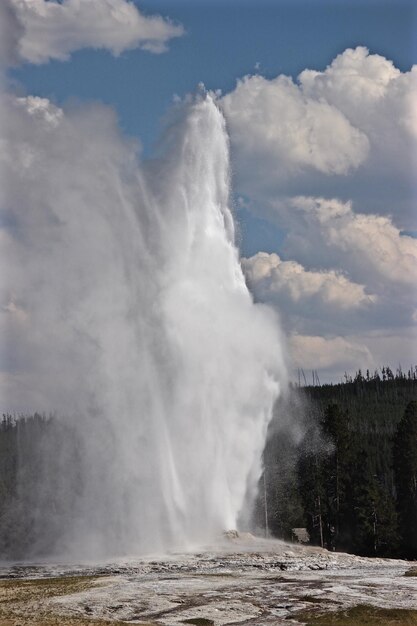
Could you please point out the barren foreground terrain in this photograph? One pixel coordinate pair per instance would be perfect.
(243, 581)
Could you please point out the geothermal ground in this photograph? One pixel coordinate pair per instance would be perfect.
(244, 581)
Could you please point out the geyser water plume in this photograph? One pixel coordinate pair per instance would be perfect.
(130, 316)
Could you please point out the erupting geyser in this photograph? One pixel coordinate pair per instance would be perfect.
(131, 318)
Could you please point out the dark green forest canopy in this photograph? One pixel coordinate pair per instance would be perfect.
(335, 464)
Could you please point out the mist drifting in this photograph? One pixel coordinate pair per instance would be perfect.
(125, 312)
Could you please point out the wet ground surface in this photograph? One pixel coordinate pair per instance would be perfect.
(247, 583)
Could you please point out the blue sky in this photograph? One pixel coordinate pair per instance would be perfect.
(322, 167)
(224, 41)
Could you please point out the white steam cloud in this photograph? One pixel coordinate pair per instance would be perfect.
(125, 310)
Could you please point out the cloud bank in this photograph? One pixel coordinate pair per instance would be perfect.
(330, 159)
(36, 31)
(348, 132)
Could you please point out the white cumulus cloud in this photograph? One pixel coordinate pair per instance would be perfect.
(36, 31)
(370, 247)
(274, 121)
(348, 275)
(332, 354)
(353, 79)
(349, 131)
(270, 277)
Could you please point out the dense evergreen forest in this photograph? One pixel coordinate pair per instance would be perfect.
(341, 461)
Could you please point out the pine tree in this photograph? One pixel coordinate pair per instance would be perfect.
(405, 468)
(336, 426)
(374, 519)
(311, 481)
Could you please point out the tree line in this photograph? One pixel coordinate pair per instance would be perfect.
(341, 461)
